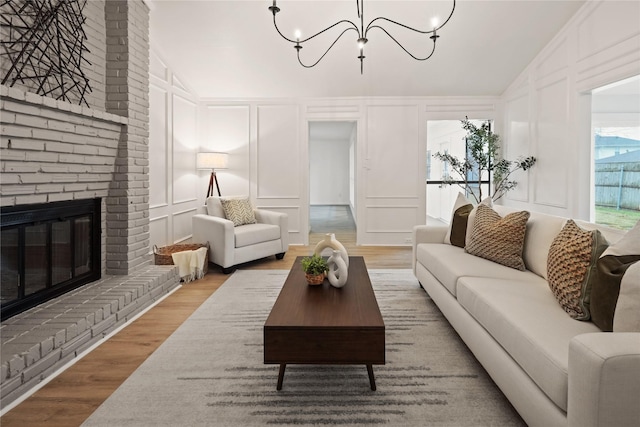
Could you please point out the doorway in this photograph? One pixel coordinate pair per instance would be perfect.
(332, 177)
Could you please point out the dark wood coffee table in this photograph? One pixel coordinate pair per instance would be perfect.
(325, 325)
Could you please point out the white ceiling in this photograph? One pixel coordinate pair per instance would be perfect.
(230, 49)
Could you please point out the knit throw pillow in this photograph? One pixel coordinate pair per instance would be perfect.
(498, 239)
(239, 211)
(571, 266)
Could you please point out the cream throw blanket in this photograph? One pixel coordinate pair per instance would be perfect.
(190, 264)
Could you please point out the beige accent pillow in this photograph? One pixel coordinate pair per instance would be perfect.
(457, 232)
(571, 265)
(239, 211)
(627, 315)
(498, 239)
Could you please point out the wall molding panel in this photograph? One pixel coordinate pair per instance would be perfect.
(598, 46)
(173, 143)
(159, 157)
(182, 225)
(227, 129)
(518, 132)
(184, 143)
(278, 152)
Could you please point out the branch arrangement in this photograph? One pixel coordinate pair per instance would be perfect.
(483, 157)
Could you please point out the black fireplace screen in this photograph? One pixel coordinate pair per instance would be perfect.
(47, 250)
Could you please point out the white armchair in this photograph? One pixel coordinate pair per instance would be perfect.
(230, 246)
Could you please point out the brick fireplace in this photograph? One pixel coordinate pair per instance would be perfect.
(46, 250)
(54, 151)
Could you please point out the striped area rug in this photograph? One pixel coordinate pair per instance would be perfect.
(210, 372)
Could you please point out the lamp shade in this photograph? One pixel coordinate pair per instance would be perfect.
(212, 160)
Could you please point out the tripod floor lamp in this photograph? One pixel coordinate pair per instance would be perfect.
(212, 161)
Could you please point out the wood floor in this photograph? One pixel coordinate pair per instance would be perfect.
(71, 397)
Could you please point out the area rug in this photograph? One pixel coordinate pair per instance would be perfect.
(211, 371)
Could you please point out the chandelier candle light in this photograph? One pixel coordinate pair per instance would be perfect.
(362, 32)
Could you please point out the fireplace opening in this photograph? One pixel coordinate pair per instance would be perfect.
(46, 250)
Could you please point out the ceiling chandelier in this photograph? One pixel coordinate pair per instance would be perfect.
(362, 32)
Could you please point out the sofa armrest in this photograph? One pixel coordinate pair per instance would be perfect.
(426, 234)
(219, 232)
(429, 233)
(280, 219)
(604, 379)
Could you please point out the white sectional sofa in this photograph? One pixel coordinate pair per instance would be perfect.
(555, 370)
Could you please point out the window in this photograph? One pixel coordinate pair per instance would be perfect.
(615, 121)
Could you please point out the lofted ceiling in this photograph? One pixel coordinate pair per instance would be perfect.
(230, 49)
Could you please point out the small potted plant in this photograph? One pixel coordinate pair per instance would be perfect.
(315, 268)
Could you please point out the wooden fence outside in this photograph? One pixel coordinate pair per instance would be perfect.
(618, 185)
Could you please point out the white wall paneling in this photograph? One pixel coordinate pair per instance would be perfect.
(552, 146)
(157, 68)
(185, 146)
(268, 143)
(182, 226)
(598, 46)
(158, 228)
(280, 170)
(393, 156)
(607, 43)
(518, 133)
(173, 143)
(393, 164)
(390, 219)
(159, 156)
(278, 152)
(226, 128)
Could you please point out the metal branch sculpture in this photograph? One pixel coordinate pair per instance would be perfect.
(44, 41)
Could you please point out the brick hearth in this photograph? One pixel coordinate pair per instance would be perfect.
(39, 341)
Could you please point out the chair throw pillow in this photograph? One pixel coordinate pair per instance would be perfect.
(611, 268)
(239, 211)
(571, 267)
(457, 232)
(498, 239)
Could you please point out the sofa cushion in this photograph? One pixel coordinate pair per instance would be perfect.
(526, 321)
(571, 267)
(541, 230)
(251, 234)
(612, 265)
(449, 263)
(498, 239)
